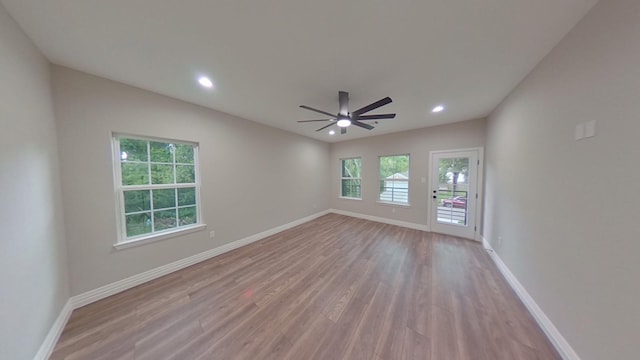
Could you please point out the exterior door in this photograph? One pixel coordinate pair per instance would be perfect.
(454, 192)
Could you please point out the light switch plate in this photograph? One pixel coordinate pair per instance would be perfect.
(579, 131)
(590, 129)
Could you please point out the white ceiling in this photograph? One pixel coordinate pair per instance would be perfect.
(268, 57)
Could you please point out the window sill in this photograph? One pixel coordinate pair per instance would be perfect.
(158, 237)
(349, 198)
(388, 203)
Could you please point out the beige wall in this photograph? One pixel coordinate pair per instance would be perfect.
(418, 143)
(33, 272)
(554, 211)
(254, 177)
(561, 213)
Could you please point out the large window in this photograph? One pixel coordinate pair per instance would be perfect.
(350, 180)
(394, 179)
(156, 186)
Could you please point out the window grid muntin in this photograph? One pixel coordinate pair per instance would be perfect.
(121, 189)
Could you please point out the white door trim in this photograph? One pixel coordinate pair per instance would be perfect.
(479, 188)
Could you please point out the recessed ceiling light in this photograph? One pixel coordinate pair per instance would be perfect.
(438, 109)
(205, 82)
(332, 132)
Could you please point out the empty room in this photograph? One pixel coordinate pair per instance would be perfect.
(379, 180)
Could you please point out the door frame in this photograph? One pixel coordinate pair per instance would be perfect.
(479, 189)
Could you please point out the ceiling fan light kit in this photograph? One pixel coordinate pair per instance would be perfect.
(345, 119)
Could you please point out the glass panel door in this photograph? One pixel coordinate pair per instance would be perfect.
(454, 191)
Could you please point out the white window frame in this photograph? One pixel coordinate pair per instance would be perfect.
(400, 203)
(122, 240)
(342, 178)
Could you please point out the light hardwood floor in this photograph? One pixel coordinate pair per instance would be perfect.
(333, 288)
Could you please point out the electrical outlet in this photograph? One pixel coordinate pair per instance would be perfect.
(212, 234)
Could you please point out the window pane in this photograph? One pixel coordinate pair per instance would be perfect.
(402, 164)
(184, 154)
(133, 150)
(135, 174)
(394, 191)
(453, 190)
(394, 178)
(161, 174)
(161, 152)
(390, 165)
(187, 215)
(164, 219)
(165, 198)
(351, 188)
(185, 174)
(138, 224)
(351, 167)
(137, 200)
(186, 196)
(387, 166)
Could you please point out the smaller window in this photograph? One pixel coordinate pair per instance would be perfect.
(394, 179)
(350, 181)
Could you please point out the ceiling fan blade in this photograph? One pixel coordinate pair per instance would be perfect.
(316, 110)
(373, 106)
(343, 98)
(362, 125)
(303, 121)
(326, 126)
(343, 131)
(376, 117)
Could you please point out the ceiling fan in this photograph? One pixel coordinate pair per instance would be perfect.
(344, 118)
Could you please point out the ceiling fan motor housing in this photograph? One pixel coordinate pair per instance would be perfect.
(345, 119)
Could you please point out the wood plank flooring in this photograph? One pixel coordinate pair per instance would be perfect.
(333, 288)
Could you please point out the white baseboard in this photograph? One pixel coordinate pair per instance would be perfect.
(558, 341)
(111, 289)
(409, 225)
(135, 280)
(486, 245)
(52, 337)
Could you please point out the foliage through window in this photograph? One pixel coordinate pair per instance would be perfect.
(394, 179)
(350, 179)
(156, 185)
